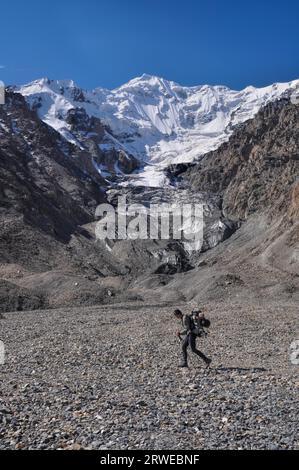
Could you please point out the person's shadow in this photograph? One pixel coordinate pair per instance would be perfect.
(237, 369)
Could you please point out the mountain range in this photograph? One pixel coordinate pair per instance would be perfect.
(149, 119)
(64, 150)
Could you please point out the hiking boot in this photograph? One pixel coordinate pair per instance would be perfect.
(208, 362)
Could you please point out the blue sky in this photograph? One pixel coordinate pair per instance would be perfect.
(106, 43)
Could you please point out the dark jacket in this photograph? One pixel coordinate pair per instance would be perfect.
(188, 324)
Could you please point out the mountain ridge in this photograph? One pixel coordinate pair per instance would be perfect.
(156, 121)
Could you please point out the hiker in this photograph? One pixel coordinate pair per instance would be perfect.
(193, 324)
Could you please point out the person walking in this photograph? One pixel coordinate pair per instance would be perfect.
(193, 325)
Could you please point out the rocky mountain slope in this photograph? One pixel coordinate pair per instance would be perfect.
(45, 199)
(50, 187)
(154, 120)
(43, 177)
(258, 168)
(256, 175)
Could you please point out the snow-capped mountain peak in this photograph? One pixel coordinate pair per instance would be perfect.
(158, 121)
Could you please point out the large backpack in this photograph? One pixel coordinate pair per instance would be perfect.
(197, 325)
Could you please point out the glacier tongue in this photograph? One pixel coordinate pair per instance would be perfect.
(157, 121)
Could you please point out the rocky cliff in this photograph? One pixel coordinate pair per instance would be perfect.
(258, 168)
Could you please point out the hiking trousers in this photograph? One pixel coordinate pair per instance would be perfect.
(190, 340)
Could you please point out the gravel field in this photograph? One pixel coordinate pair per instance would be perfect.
(107, 378)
